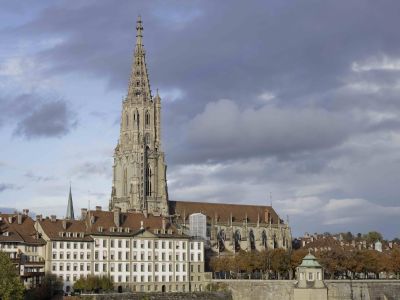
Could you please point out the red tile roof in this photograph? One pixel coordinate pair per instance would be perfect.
(223, 212)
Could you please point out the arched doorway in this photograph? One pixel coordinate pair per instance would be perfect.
(163, 289)
(119, 289)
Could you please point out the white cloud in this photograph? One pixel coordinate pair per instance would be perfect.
(266, 96)
(375, 63)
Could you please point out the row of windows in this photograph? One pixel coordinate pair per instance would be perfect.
(68, 267)
(69, 245)
(142, 288)
(143, 244)
(69, 256)
(141, 267)
(135, 256)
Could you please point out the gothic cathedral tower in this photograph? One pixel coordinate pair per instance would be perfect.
(139, 171)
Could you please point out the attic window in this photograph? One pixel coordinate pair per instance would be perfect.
(6, 233)
(169, 231)
(127, 230)
(100, 229)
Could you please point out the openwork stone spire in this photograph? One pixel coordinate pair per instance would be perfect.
(70, 207)
(139, 86)
(139, 181)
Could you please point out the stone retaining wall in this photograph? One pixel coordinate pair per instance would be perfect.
(337, 289)
(159, 296)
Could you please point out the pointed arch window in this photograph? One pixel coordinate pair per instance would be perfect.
(147, 120)
(148, 180)
(126, 120)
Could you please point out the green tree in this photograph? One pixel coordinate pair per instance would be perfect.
(280, 262)
(50, 286)
(395, 261)
(373, 236)
(11, 286)
(92, 283)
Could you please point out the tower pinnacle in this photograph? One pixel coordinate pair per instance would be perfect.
(70, 207)
(139, 85)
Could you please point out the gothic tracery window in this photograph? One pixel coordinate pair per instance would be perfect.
(148, 180)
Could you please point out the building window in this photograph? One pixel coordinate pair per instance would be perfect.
(147, 117)
(104, 243)
(54, 255)
(54, 245)
(310, 276)
(54, 267)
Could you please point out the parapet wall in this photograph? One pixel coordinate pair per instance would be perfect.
(337, 289)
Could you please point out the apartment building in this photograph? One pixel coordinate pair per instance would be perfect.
(138, 252)
(26, 249)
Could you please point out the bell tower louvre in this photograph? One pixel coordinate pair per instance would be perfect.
(139, 170)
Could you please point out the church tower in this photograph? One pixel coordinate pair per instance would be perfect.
(139, 170)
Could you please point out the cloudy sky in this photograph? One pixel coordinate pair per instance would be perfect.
(295, 99)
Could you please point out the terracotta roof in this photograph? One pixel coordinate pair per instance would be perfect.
(223, 211)
(14, 232)
(131, 220)
(53, 228)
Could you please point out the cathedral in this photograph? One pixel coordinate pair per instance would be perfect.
(140, 185)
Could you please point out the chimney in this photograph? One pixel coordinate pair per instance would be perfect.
(117, 211)
(19, 218)
(10, 219)
(25, 211)
(64, 224)
(53, 218)
(38, 217)
(98, 208)
(92, 219)
(141, 225)
(83, 213)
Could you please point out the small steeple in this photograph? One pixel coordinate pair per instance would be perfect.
(70, 207)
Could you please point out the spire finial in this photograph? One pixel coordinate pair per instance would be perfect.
(139, 27)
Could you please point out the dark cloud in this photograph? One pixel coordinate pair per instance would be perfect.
(38, 178)
(35, 116)
(8, 186)
(49, 120)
